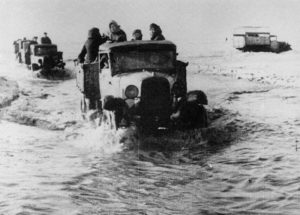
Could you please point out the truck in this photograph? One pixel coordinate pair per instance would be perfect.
(140, 83)
(257, 39)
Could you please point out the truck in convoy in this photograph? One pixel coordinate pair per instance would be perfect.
(140, 83)
(46, 58)
(43, 58)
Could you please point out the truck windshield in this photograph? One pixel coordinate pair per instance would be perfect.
(39, 51)
(124, 62)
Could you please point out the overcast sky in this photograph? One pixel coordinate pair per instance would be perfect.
(182, 21)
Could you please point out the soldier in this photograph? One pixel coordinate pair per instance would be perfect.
(89, 54)
(45, 39)
(34, 40)
(89, 51)
(155, 32)
(137, 35)
(116, 33)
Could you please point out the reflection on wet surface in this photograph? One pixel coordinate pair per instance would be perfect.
(246, 162)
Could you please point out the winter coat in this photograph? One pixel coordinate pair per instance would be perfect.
(157, 35)
(89, 51)
(45, 40)
(118, 36)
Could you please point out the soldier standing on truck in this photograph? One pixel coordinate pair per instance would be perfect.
(89, 51)
(45, 39)
(35, 40)
(116, 33)
(89, 55)
(156, 32)
(137, 35)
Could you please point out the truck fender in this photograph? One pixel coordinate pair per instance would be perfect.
(197, 96)
(112, 104)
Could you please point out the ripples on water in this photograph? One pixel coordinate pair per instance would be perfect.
(246, 162)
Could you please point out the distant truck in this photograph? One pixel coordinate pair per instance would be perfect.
(257, 39)
(43, 57)
(46, 57)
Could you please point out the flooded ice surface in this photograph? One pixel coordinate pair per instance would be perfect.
(34, 163)
(246, 162)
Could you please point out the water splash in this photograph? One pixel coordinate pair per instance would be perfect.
(102, 139)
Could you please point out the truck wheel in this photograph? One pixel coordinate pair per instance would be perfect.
(193, 116)
(34, 67)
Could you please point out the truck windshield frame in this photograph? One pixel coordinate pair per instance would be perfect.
(41, 50)
(140, 60)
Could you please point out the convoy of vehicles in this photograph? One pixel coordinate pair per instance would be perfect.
(46, 57)
(43, 58)
(140, 82)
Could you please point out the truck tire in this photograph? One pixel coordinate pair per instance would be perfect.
(34, 67)
(193, 116)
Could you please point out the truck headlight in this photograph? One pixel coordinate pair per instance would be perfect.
(131, 92)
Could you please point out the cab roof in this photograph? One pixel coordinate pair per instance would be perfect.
(44, 45)
(139, 44)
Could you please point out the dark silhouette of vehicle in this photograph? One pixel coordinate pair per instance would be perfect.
(43, 58)
(46, 57)
(140, 82)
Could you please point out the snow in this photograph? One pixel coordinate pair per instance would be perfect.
(267, 68)
(9, 90)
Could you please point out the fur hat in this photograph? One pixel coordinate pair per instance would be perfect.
(93, 33)
(155, 27)
(113, 22)
(137, 31)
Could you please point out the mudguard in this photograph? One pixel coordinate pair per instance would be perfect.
(192, 115)
(197, 96)
(118, 108)
(112, 104)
